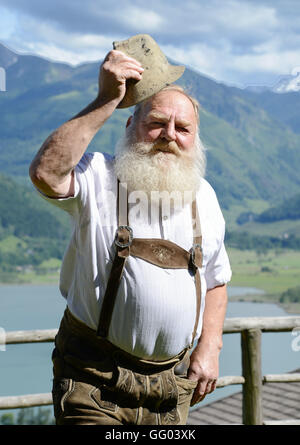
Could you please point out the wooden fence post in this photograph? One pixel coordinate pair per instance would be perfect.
(251, 366)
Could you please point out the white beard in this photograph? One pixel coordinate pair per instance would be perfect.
(145, 167)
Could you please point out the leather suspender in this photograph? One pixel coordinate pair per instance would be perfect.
(160, 252)
(122, 242)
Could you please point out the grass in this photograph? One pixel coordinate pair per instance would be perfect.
(11, 244)
(30, 277)
(52, 263)
(277, 228)
(249, 205)
(274, 272)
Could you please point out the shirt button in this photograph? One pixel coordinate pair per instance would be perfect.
(165, 217)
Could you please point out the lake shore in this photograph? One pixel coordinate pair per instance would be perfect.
(290, 308)
(236, 293)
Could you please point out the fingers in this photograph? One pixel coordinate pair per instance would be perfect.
(122, 66)
(199, 393)
(114, 71)
(119, 55)
(203, 388)
(213, 385)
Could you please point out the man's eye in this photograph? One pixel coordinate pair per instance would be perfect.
(182, 129)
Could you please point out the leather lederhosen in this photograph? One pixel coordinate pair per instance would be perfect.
(159, 252)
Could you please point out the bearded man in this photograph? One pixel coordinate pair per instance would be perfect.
(145, 284)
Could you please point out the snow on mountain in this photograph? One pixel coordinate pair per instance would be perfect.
(288, 84)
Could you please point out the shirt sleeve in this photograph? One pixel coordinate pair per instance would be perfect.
(218, 270)
(82, 176)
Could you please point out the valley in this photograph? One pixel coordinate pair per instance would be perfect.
(252, 142)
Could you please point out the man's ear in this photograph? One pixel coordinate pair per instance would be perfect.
(129, 121)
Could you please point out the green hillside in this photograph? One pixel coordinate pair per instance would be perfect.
(282, 107)
(23, 213)
(282, 220)
(32, 233)
(287, 210)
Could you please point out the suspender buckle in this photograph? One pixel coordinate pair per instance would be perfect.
(117, 237)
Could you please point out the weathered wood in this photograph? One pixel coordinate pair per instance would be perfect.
(231, 325)
(282, 378)
(29, 400)
(37, 336)
(282, 422)
(230, 380)
(251, 366)
(266, 324)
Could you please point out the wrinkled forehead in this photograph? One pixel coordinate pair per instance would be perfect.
(168, 102)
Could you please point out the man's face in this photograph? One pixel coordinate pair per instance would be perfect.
(161, 150)
(168, 121)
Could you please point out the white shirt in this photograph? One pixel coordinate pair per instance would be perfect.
(155, 309)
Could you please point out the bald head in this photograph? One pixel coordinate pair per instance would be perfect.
(139, 108)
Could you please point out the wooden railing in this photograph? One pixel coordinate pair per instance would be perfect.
(252, 380)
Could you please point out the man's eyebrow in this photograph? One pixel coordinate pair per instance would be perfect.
(162, 117)
(157, 115)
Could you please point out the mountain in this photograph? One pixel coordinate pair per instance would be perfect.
(289, 209)
(252, 139)
(24, 72)
(288, 84)
(283, 108)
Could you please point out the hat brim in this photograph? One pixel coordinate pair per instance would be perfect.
(138, 91)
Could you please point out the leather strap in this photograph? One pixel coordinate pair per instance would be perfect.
(198, 306)
(160, 252)
(197, 259)
(123, 238)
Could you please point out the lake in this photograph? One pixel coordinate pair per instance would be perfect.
(27, 369)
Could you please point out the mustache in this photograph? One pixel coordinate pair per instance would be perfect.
(151, 148)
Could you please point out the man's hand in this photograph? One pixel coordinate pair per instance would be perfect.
(204, 368)
(114, 71)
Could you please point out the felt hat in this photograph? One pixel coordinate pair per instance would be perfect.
(158, 72)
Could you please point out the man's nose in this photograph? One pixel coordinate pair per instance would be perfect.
(168, 131)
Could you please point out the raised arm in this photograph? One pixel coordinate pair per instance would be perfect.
(51, 170)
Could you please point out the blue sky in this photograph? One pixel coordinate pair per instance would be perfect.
(245, 42)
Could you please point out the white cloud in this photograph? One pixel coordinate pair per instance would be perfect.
(8, 23)
(295, 70)
(233, 41)
(143, 18)
(246, 16)
(198, 56)
(45, 40)
(266, 62)
(272, 62)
